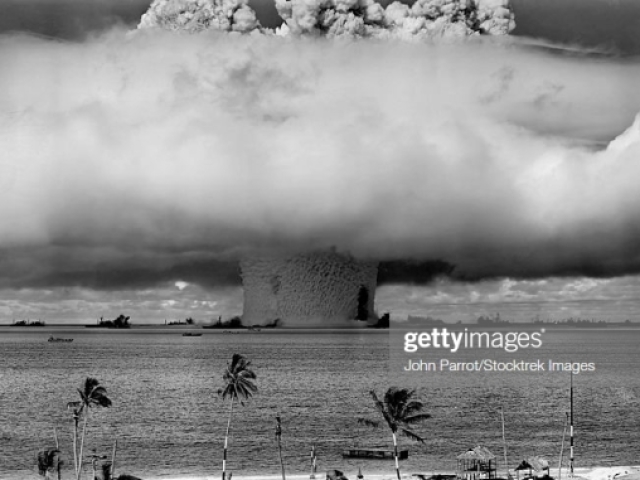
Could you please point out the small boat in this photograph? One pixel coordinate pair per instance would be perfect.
(190, 334)
(60, 340)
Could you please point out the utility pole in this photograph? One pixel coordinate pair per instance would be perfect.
(504, 443)
(564, 430)
(571, 429)
(313, 463)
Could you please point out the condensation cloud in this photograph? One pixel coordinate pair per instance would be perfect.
(153, 149)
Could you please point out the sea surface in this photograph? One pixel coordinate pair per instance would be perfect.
(170, 421)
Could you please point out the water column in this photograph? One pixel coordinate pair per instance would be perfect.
(327, 289)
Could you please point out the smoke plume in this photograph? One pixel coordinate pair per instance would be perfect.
(334, 18)
(425, 19)
(198, 15)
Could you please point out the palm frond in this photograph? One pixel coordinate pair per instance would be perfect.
(399, 410)
(89, 384)
(225, 392)
(379, 405)
(384, 411)
(239, 379)
(93, 394)
(397, 400)
(368, 422)
(102, 401)
(249, 374)
(410, 434)
(416, 418)
(238, 363)
(413, 407)
(247, 385)
(98, 390)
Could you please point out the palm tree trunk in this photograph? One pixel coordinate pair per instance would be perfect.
(84, 430)
(281, 462)
(395, 454)
(75, 443)
(226, 440)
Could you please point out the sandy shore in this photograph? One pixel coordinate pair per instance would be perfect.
(595, 473)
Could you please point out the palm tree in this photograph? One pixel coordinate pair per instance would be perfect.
(91, 395)
(239, 386)
(399, 411)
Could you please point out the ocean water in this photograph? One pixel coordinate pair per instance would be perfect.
(169, 420)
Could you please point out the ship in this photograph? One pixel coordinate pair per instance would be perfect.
(52, 339)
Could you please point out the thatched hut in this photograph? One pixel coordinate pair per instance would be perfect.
(335, 475)
(477, 463)
(536, 466)
(49, 463)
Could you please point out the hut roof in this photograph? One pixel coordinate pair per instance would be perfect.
(477, 453)
(535, 463)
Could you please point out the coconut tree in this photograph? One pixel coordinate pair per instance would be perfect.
(399, 411)
(239, 386)
(92, 394)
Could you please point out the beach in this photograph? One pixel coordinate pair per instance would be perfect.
(596, 473)
(581, 473)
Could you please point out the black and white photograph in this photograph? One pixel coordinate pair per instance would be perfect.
(320, 239)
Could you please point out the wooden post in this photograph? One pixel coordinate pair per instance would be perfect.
(278, 437)
(504, 443)
(55, 436)
(313, 462)
(113, 458)
(564, 430)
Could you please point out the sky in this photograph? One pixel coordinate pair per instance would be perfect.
(137, 169)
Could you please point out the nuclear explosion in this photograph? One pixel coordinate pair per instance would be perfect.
(325, 288)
